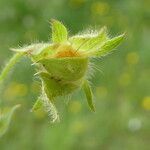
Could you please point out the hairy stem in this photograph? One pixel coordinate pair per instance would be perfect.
(9, 65)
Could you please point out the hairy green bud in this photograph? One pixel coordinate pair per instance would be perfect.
(63, 65)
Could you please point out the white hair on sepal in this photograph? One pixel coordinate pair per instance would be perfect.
(93, 32)
(96, 67)
(89, 32)
(49, 106)
(67, 98)
(90, 83)
(92, 69)
(37, 80)
(69, 32)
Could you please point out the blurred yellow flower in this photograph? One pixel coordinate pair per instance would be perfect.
(15, 89)
(100, 8)
(146, 103)
(75, 106)
(78, 127)
(101, 91)
(40, 114)
(76, 3)
(124, 79)
(132, 58)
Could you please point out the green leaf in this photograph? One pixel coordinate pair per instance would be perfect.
(109, 45)
(59, 32)
(89, 41)
(89, 95)
(5, 118)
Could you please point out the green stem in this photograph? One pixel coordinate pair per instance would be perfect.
(9, 65)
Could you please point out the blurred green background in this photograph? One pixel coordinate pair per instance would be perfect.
(122, 90)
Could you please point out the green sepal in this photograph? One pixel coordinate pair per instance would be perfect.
(33, 48)
(89, 95)
(59, 32)
(48, 105)
(68, 69)
(44, 52)
(5, 118)
(55, 87)
(37, 105)
(109, 45)
(38, 51)
(45, 104)
(89, 41)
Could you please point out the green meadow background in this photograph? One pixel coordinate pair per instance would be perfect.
(121, 87)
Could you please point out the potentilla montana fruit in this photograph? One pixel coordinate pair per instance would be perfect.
(63, 65)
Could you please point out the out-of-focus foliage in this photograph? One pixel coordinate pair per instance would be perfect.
(5, 118)
(121, 88)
